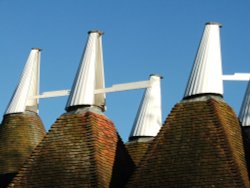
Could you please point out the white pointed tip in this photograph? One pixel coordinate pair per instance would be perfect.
(214, 23)
(96, 31)
(38, 49)
(90, 76)
(244, 115)
(28, 86)
(156, 75)
(149, 116)
(206, 75)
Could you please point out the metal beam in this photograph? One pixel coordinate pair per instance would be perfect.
(237, 77)
(113, 88)
(124, 87)
(48, 94)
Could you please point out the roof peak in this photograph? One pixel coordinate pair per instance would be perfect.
(203, 97)
(214, 23)
(39, 49)
(28, 86)
(84, 109)
(90, 75)
(96, 31)
(148, 120)
(206, 74)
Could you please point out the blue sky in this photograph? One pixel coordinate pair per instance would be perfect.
(141, 38)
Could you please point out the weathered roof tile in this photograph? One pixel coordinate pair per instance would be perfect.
(19, 135)
(80, 150)
(200, 145)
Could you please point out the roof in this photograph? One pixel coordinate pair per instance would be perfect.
(19, 135)
(28, 86)
(148, 120)
(206, 74)
(244, 115)
(82, 149)
(90, 75)
(200, 145)
(137, 150)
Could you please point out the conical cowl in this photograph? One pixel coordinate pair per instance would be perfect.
(28, 86)
(148, 121)
(149, 116)
(244, 115)
(21, 129)
(90, 75)
(206, 75)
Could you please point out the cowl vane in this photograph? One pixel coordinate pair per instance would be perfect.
(23, 98)
(149, 116)
(206, 75)
(90, 76)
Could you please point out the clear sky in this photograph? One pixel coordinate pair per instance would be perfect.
(141, 37)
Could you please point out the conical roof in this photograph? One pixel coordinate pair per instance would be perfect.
(137, 149)
(200, 145)
(90, 75)
(28, 86)
(148, 120)
(19, 135)
(82, 149)
(244, 115)
(206, 75)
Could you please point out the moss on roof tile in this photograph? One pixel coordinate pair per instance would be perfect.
(137, 150)
(80, 150)
(200, 145)
(19, 135)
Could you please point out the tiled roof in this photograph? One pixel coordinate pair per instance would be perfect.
(19, 135)
(137, 150)
(80, 150)
(200, 145)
